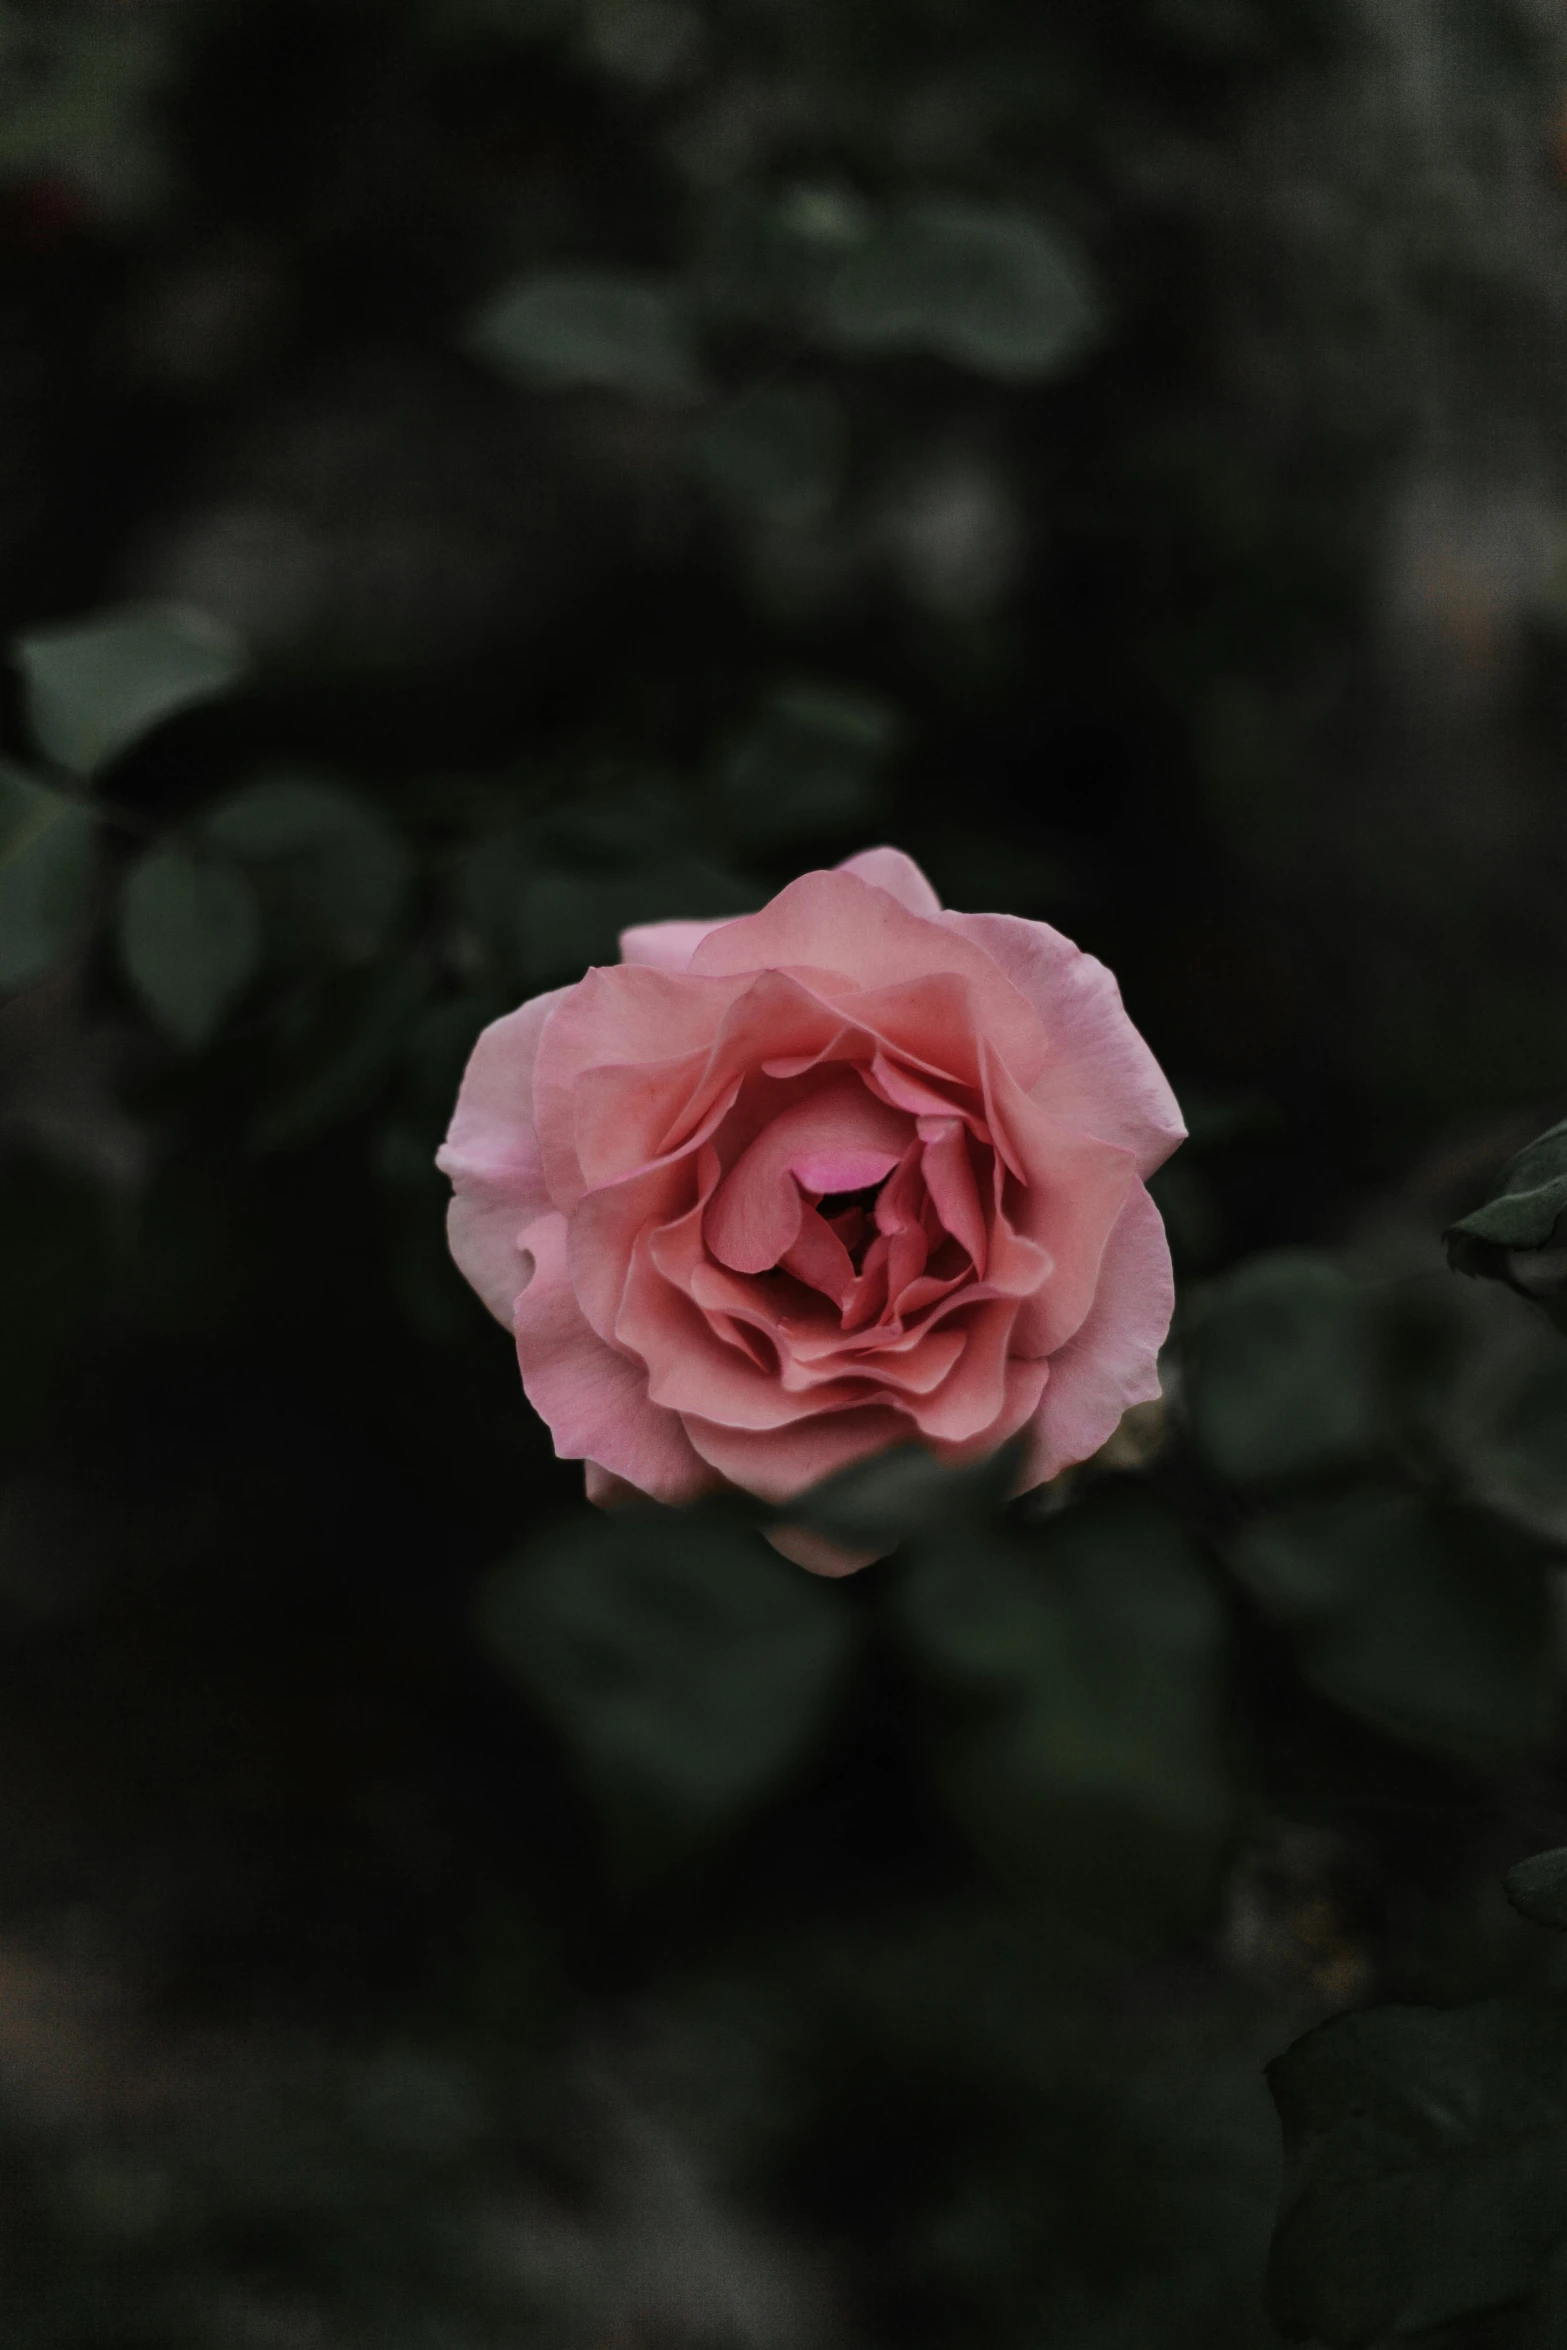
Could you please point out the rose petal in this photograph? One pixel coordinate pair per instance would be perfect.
(1100, 1074)
(594, 1400)
(604, 1491)
(1112, 1361)
(491, 1153)
(949, 1176)
(835, 922)
(776, 1464)
(837, 1138)
(621, 1015)
(663, 946)
(817, 1553)
(898, 875)
(1076, 1188)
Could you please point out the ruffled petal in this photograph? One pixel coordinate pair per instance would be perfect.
(1100, 1075)
(1113, 1360)
(595, 1401)
(837, 1138)
(777, 1463)
(491, 1153)
(663, 946)
(653, 1025)
(836, 923)
(898, 875)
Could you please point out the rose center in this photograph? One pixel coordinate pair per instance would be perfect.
(852, 1215)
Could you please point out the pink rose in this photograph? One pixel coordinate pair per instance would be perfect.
(775, 1193)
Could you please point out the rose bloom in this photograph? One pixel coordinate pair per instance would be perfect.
(776, 1193)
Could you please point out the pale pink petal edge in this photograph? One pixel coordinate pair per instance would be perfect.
(1113, 1360)
(1101, 1075)
(491, 1154)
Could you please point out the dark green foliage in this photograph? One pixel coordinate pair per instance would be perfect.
(1426, 2167)
(1076, 1690)
(46, 873)
(1404, 1618)
(592, 328)
(1538, 1887)
(1512, 1238)
(1284, 1373)
(190, 933)
(688, 1669)
(97, 686)
(984, 285)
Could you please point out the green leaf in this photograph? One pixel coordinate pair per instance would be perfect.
(357, 1030)
(1513, 1444)
(592, 327)
(1514, 1237)
(542, 919)
(190, 935)
(46, 870)
(1283, 1378)
(775, 456)
(883, 1500)
(1076, 1723)
(1396, 1618)
(687, 1669)
(1426, 2167)
(989, 286)
(809, 764)
(343, 866)
(1538, 1887)
(96, 687)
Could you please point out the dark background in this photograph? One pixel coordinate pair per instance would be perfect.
(1109, 448)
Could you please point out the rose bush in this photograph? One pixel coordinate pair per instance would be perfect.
(778, 1192)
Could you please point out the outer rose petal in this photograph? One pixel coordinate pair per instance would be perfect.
(777, 1463)
(1112, 1361)
(593, 1400)
(817, 1553)
(835, 922)
(664, 946)
(898, 875)
(491, 1154)
(669, 946)
(1101, 1075)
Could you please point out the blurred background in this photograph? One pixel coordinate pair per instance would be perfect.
(477, 473)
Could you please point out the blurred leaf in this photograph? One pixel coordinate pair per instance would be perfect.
(689, 1670)
(808, 765)
(357, 1032)
(542, 919)
(345, 867)
(988, 286)
(190, 934)
(1538, 1887)
(907, 1491)
(1283, 1376)
(1077, 1735)
(77, 100)
(1514, 1448)
(1397, 1619)
(1512, 1238)
(592, 327)
(46, 873)
(1425, 2156)
(776, 455)
(95, 687)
